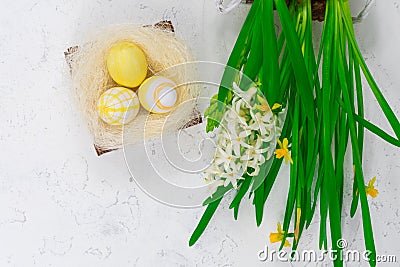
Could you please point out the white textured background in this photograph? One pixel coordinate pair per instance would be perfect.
(61, 205)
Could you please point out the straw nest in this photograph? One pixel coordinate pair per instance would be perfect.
(90, 79)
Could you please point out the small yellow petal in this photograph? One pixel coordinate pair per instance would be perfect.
(274, 237)
(279, 228)
(372, 192)
(276, 106)
(289, 158)
(280, 153)
(285, 143)
(370, 188)
(372, 181)
(278, 237)
(280, 143)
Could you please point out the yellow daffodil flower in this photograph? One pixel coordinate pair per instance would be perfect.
(370, 188)
(283, 151)
(278, 237)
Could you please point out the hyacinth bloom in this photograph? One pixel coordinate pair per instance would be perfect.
(249, 128)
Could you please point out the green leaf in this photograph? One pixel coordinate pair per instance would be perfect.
(253, 64)
(391, 117)
(328, 77)
(219, 193)
(241, 192)
(205, 219)
(236, 60)
(372, 127)
(259, 204)
(366, 217)
(260, 177)
(293, 184)
(302, 78)
(270, 60)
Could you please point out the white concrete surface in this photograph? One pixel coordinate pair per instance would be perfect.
(61, 205)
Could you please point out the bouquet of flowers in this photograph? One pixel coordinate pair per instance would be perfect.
(316, 115)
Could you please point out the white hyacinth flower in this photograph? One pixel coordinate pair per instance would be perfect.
(245, 95)
(232, 176)
(248, 128)
(213, 172)
(254, 157)
(225, 156)
(238, 140)
(262, 123)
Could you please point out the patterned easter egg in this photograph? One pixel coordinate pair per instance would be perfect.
(158, 94)
(127, 64)
(118, 106)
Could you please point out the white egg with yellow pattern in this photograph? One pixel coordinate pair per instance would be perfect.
(118, 106)
(158, 94)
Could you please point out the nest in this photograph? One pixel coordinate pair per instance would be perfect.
(317, 6)
(90, 79)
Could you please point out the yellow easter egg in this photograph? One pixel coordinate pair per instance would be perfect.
(158, 94)
(118, 106)
(127, 64)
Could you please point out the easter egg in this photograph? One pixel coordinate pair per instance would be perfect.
(158, 94)
(127, 64)
(118, 106)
